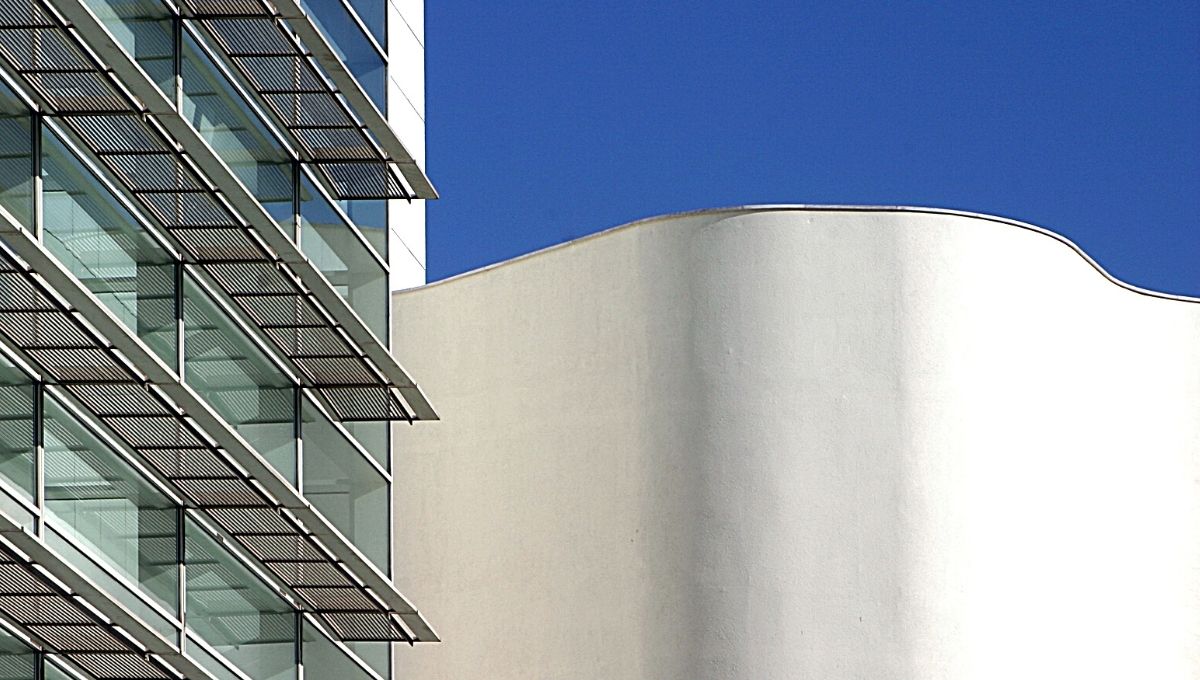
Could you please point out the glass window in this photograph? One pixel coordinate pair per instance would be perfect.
(352, 46)
(344, 487)
(374, 14)
(324, 659)
(235, 132)
(143, 27)
(94, 498)
(17, 660)
(236, 613)
(370, 216)
(345, 260)
(238, 380)
(99, 241)
(54, 671)
(16, 428)
(16, 158)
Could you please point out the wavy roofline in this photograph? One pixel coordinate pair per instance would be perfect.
(806, 207)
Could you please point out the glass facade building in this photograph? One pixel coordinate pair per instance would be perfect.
(196, 378)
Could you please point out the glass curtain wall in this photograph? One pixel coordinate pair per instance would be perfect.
(351, 268)
(102, 244)
(233, 611)
(18, 661)
(235, 132)
(144, 29)
(344, 487)
(16, 158)
(238, 380)
(17, 428)
(97, 500)
(361, 57)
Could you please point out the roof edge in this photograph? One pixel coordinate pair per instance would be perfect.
(817, 207)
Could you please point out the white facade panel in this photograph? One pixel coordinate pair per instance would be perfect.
(779, 443)
(406, 111)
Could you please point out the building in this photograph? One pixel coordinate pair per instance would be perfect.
(784, 442)
(204, 205)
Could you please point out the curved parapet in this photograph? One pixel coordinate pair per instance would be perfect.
(801, 442)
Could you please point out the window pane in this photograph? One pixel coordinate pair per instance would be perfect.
(232, 610)
(371, 218)
(16, 428)
(17, 661)
(54, 672)
(352, 269)
(143, 27)
(343, 486)
(222, 118)
(100, 243)
(374, 14)
(16, 158)
(97, 500)
(352, 46)
(323, 659)
(238, 380)
(374, 436)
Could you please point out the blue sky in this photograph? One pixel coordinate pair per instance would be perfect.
(551, 120)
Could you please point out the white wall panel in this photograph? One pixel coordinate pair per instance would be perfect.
(780, 443)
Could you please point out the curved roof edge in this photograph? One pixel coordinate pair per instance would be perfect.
(804, 207)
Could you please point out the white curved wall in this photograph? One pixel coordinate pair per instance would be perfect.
(781, 443)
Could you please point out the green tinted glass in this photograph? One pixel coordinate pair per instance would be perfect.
(344, 487)
(143, 27)
(17, 661)
(16, 428)
(346, 261)
(222, 117)
(16, 158)
(99, 241)
(323, 659)
(230, 609)
(98, 501)
(238, 380)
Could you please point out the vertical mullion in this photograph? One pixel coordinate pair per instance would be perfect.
(181, 560)
(39, 455)
(177, 59)
(180, 330)
(35, 168)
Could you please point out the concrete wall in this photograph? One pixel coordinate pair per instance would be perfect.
(797, 443)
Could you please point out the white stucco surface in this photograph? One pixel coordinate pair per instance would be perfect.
(802, 443)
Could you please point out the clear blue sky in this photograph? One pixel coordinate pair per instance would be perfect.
(551, 120)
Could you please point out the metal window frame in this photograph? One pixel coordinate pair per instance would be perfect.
(270, 245)
(377, 595)
(89, 605)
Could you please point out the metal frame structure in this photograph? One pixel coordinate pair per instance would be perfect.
(66, 332)
(103, 96)
(69, 615)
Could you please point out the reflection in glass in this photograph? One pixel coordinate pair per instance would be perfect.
(223, 118)
(16, 428)
(344, 487)
(374, 14)
(143, 27)
(323, 659)
(100, 243)
(346, 261)
(16, 158)
(96, 499)
(54, 672)
(371, 217)
(352, 46)
(17, 660)
(238, 380)
(230, 609)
